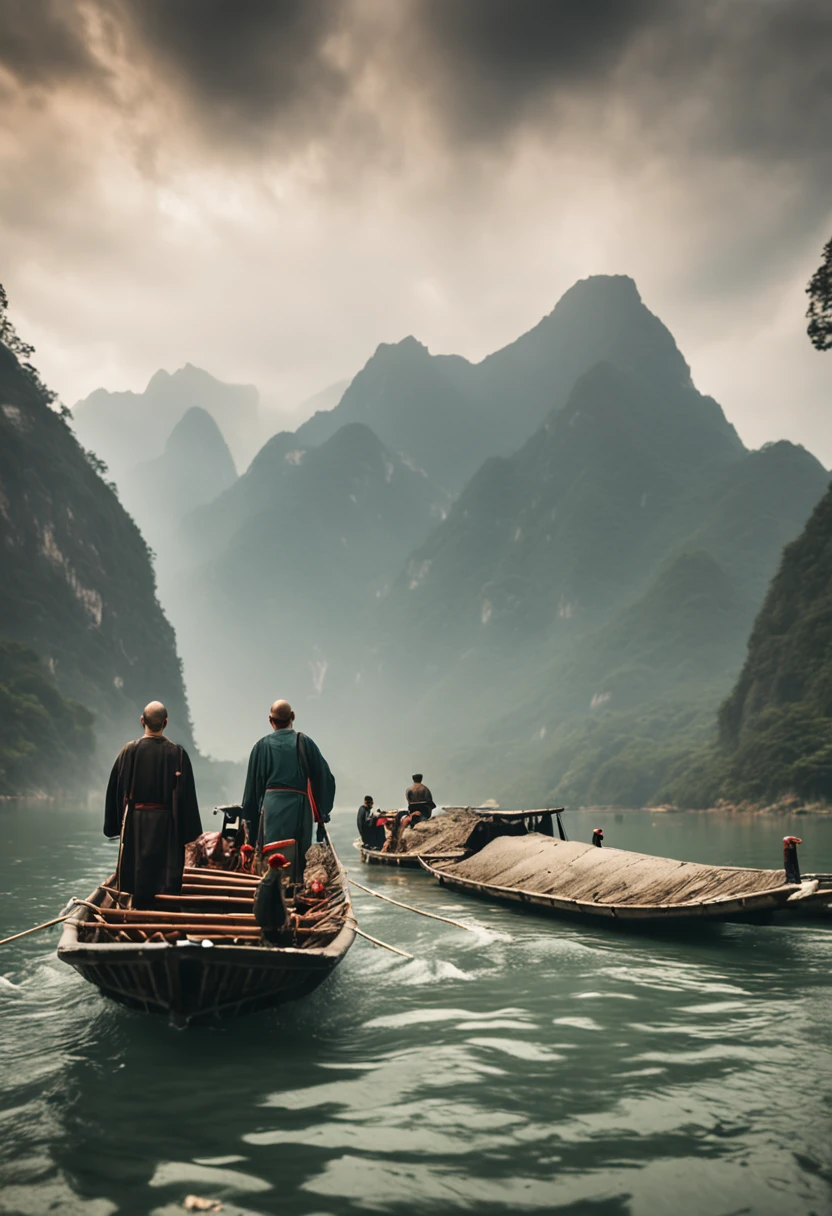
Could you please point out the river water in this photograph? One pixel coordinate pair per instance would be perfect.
(531, 1066)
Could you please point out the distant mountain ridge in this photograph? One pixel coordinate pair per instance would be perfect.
(127, 428)
(194, 468)
(448, 415)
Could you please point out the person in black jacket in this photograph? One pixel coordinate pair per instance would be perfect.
(790, 863)
(369, 828)
(151, 804)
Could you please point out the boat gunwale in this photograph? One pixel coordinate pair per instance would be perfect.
(375, 856)
(70, 948)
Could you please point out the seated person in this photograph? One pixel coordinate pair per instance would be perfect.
(420, 803)
(370, 825)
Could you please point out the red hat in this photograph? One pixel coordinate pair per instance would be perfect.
(792, 840)
(246, 848)
(275, 845)
(278, 862)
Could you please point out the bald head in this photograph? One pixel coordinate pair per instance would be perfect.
(155, 717)
(281, 715)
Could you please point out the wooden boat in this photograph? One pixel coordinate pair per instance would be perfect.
(201, 955)
(456, 832)
(575, 879)
(818, 904)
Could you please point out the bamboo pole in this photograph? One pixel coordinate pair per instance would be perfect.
(221, 901)
(125, 915)
(240, 891)
(410, 908)
(189, 925)
(220, 875)
(37, 928)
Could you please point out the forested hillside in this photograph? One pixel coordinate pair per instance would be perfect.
(76, 584)
(41, 732)
(775, 729)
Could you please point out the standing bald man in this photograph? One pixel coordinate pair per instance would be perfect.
(151, 804)
(286, 773)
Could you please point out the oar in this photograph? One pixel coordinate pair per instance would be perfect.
(37, 928)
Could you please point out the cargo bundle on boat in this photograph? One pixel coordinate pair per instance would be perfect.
(454, 833)
(202, 953)
(572, 878)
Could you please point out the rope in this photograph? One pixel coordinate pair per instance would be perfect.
(376, 942)
(410, 908)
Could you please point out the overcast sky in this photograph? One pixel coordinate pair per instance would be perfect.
(270, 188)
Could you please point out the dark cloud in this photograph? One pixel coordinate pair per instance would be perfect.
(742, 76)
(493, 59)
(45, 43)
(241, 61)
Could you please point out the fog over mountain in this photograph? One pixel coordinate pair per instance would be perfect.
(195, 467)
(288, 567)
(585, 600)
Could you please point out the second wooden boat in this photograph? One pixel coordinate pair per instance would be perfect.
(456, 832)
(201, 955)
(575, 879)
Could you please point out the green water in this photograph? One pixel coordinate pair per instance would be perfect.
(534, 1065)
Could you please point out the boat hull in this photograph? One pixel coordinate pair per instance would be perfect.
(191, 982)
(751, 907)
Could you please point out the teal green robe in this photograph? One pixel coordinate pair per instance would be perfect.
(276, 791)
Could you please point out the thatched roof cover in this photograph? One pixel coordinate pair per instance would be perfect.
(571, 870)
(441, 833)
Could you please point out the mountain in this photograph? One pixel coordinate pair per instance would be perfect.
(324, 400)
(421, 406)
(195, 467)
(126, 428)
(586, 601)
(775, 728)
(291, 561)
(76, 580)
(447, 415)
(550, 539)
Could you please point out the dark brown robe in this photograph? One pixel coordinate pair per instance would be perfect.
(419, 798)
(151, 803)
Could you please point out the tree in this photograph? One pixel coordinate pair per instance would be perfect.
(23, 351)
(819, 312)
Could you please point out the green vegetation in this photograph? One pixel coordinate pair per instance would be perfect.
(76, 581)
(46, 741)
(820, 303)
(775, 728)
